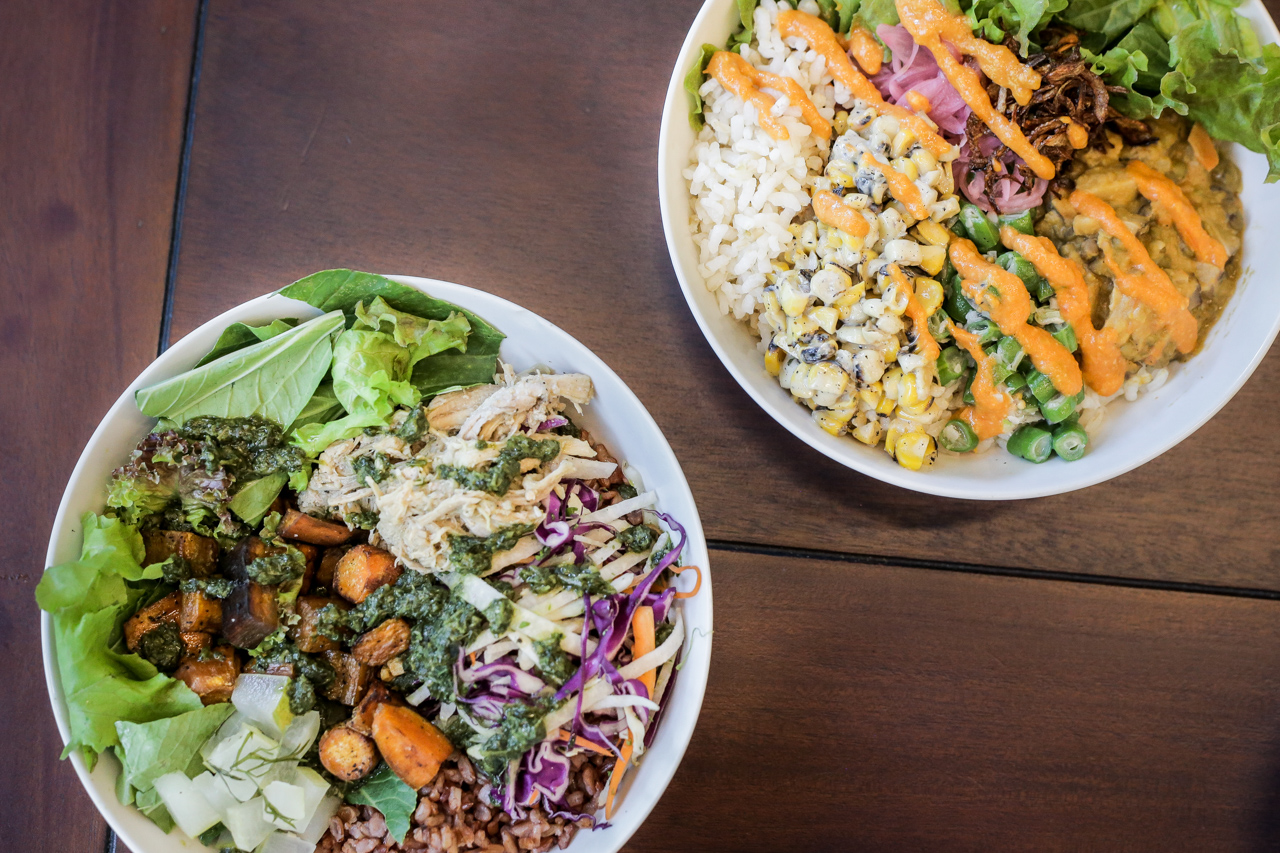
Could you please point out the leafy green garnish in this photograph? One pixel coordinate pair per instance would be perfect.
(253, 500)
(150, 750)
(693, 82)
(89, 600)
(240, 335)
(342, 290)
(274, 378)
(387, 792)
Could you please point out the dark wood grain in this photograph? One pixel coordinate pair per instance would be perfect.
(880, 708)
(90, 129)
(517, 154)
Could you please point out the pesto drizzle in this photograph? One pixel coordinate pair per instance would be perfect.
(496, 478)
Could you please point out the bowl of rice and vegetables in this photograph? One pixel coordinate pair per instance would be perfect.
(353, 582)
(969, 240)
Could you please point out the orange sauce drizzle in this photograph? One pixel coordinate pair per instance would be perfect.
(1202, 146)
(919, 319)
(1169, 199)
(865, 49)
(1104, 366)
(830, 210)
(1010, 310)
(918, 102)
(1077, 135)
(929, 23)
(900, 186)
(742, 79)
(991, 405)
(822, 39)
(1144, 281)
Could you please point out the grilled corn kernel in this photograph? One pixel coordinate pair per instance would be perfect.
(906, 167)
(872, 394)
(773, 361)
(828, 382)
(932, 258)
(798, 327)
(829, 424)
(892, 379)
(850, 297)
(885, 406)
(947, 183)
(909, 391)
(839, 174)
(790, 299)
(826, 318)
(902, 143)
(915, 450)
(929, 292)
(891, 440)
(890, 348)
(924, 159)
(896, 298)
(868, 433)
(773, 310)
(840, 123)
(933, 233)
(781, 266)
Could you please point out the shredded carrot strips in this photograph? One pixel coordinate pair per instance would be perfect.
(471, 658)
(697, 586)
(642, 629)
(561, 734)
(618, 770)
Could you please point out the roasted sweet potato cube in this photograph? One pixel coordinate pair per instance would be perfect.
(200, 551)
(304, 633)
(212, 679)
(328, 562)
(377, 694)
(347, 754)
(249, 614)
(193, 642)
(152, 616)
(233, 562)
(200, 612)
(362, 570)
(312, 555)
(351, 678)
(411, 746)
(383, 643)
(301, 527)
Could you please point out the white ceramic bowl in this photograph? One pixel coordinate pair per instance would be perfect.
(1132, 434)
(615, 416)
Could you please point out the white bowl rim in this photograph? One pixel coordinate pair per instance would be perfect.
(697, 655)
(675, 210)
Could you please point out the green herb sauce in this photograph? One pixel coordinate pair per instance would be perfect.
(520, 729)
(374, 465)
(584, 578)
(277, 568)
(414, 427)
(249, 447)
(363, 520)
(496, 478)
(554, 664)
(162, 646)
(638, 538)
(212, 587)
(473, 555)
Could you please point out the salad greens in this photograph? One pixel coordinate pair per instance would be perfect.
(342, 290)
(274, 378)
(150, 750)
(240, 335)
(387, 793)
(89, 600)
(373, 362)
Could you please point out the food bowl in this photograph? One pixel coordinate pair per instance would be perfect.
(615, 415)
(1133, 432)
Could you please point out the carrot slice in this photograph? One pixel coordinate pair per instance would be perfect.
(561, 734)
(697, 586)
(642, 629)
(618, 769)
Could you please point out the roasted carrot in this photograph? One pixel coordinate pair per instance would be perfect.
(642, 629)
(615, 780)
(697, 586)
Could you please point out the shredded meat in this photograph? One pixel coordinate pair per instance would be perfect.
(1068, 89)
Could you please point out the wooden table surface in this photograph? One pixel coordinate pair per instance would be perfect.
(1096, 671)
